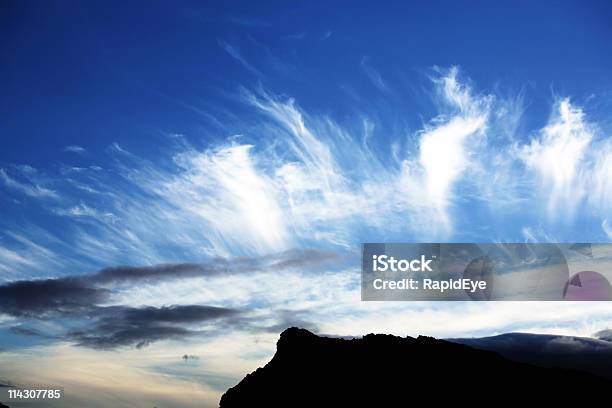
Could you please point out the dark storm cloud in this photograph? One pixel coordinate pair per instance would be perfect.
(105, 327)
(26, 331)
(49, 297)
(126, 326)
(175, 314)
(291, 259)
(130, 274)
(139, 337)
(80, 294)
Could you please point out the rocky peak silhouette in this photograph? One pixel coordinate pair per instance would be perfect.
(380, 370)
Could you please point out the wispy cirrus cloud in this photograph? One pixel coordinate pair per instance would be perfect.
(373, 75)
(446, 147)
(226, 191)
(82, 210)
(28, 187)
(75, 149)
(303, 179)
(235, 53)
(30, 253)
(607, 227)
(571, 163)
(10, 259)
(557, 156)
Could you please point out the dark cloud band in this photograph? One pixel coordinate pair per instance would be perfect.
(83, 299)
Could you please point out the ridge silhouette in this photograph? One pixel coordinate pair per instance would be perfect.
(381, 370)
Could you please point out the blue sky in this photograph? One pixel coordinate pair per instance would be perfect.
(82, 79)
(254, 146)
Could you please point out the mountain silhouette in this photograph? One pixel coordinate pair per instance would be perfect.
(388, 371)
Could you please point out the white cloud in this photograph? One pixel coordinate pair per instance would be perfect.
(332, 174)
(233, 200)
(235, 53)
(558, 156)
(9, 259)
(528, 235)
(307, 179)
(83, 210)
(572, 163)
(445, 148)
(443, 159)
(373, 75)
(75, 149)
(607, 228)
(23, 255)
(28, 188)
(599, 193)
(298, 179)
(471, 319)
